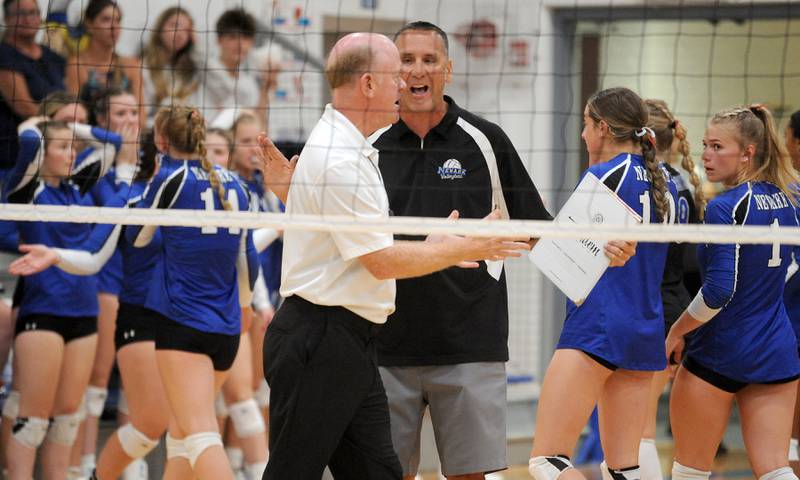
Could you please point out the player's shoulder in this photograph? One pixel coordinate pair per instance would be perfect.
(614, 171)
(730, 206)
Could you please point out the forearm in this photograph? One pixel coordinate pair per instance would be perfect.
(686, 324)
(412, 259)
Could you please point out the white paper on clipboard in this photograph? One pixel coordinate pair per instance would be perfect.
(576, 265)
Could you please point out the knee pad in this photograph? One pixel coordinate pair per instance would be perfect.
(64, 428)
(136, 470)
(197, 443)
(220, 408)
(681, 472)
(122, 404)
(548, 468)
(30, 431)
(794, 453)
(235, 457)
(256, 470)
(627, 473)
(784, 473)
(88, 464)
(134, 443)
(176, 448)
(247, 418)
(262, 394)
(95, 400)
(11, 405)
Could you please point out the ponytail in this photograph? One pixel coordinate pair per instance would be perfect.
(687, 163)
(658, 181)
(771, 162)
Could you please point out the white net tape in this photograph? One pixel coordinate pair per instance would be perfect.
(405, 225)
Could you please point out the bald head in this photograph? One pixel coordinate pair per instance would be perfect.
(354, 55)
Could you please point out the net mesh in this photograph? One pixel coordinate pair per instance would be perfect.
(528, 65)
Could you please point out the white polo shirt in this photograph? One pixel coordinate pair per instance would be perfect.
(337, 174)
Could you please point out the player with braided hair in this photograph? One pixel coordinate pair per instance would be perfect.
(196, 293)
(671, 147)
(791, 296)
(610, 345)
(742, 345)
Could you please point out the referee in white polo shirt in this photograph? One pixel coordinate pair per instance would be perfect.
(327, 403)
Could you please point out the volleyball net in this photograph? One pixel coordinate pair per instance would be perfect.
(527, 65)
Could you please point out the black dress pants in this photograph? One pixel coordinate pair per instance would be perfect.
(327, 402)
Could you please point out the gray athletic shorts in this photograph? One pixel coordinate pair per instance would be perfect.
(468, 410)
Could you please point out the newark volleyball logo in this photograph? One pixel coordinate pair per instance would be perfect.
(451, 170)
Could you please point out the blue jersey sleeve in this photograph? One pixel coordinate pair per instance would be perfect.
(720, 262)
(89, 257)
(20, 182)
(161, 192)
(94, 162)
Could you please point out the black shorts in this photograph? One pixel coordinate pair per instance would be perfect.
(70, 328)
(134, 324)
(220, 348)
(16, 297)
(722, 382)
(601, 361)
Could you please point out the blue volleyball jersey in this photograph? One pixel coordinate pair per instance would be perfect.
(270, 258)
(197, 285)
(750, 338)
(791, 294)
(109, 279)
(136, 264)
(53, 291)
(622, 321)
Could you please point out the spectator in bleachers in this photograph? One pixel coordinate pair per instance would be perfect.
(28, 72)
(171, 63)
(230, 80)
(99, 67)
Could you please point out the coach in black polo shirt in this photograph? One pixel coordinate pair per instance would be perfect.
(447, 344)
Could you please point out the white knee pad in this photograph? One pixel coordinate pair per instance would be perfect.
(95, 400)
(784, 473)
(220, 408)
(628, 473)
(88, 463)
(548, 468)
(176, 448)
(122, 404)
(30, 431)
(235, 457)
(247, 418)
(256, 470)
(681, 472)
(135, 443)
(136, 470)
(197, 443)
(64, 428)
(11, 406)
(794, 453)
(262, 394)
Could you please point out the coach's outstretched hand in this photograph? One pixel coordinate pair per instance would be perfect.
(37, 258)
(276, 168)
(482, 248)
(619, 252)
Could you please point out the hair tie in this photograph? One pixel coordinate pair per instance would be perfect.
(673, 124)
(649, 132)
